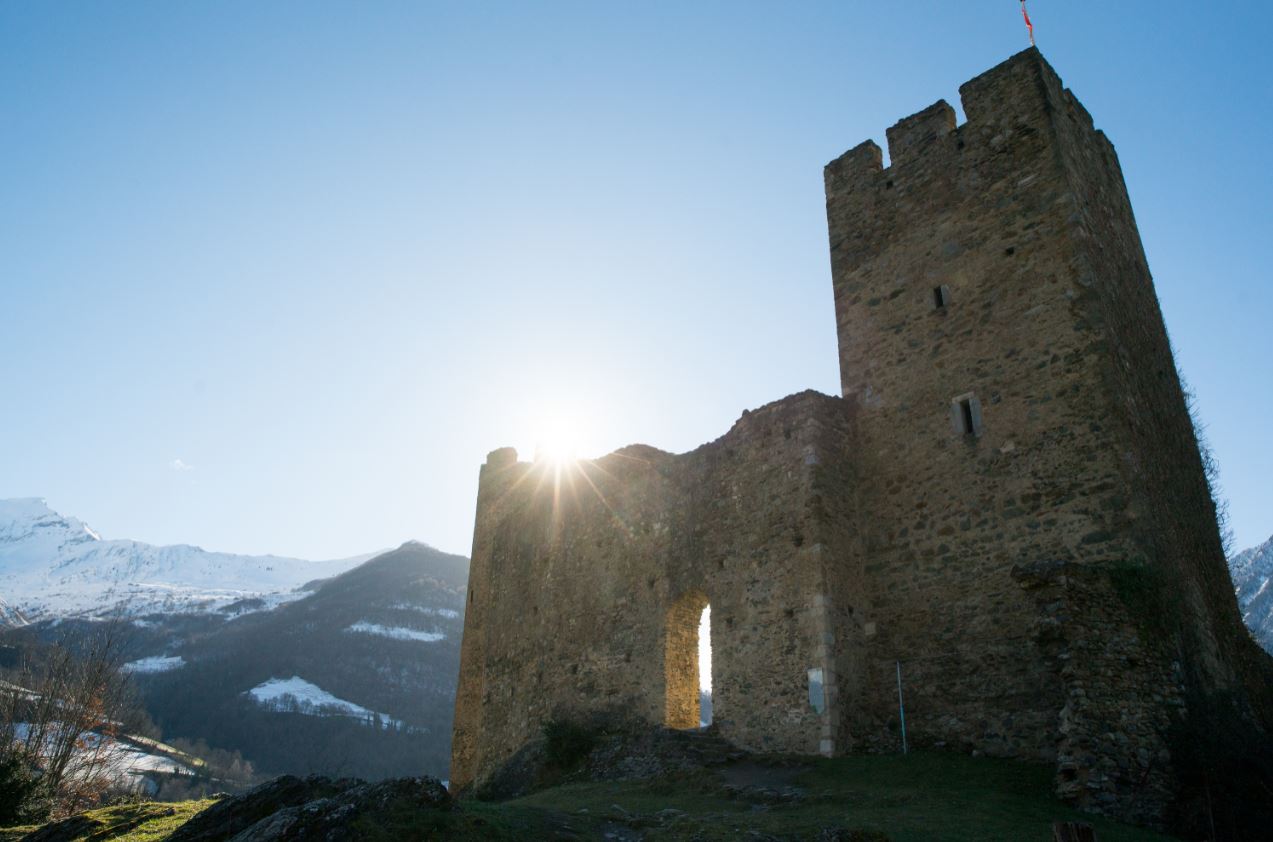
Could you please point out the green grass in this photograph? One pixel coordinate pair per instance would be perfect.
(904, 799)
(474, 820)
(143, 822)
(917, 797)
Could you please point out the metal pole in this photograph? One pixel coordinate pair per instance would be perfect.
(901, 707)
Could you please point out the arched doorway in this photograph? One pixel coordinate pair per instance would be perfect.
(681, 661)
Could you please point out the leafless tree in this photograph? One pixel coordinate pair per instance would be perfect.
(61, 711)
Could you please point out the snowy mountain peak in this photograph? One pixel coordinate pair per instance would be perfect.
(1252, 572)
(53, 565)
(24, 517)
(24, 507)
(1256, 560)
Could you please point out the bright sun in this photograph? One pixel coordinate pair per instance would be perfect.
(557, 438)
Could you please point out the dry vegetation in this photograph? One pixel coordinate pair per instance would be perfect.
(60, 711)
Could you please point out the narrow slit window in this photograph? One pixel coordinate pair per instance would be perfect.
(941, 297)
(966, 415)
(817, 691)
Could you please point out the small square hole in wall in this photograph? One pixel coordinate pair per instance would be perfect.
(941, 297)
(966, 415)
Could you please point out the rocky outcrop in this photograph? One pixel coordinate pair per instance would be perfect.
(629, 752)
(310, 808)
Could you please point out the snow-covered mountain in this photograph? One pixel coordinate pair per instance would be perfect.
(1252, 572)
(56, 566)
(10, 617)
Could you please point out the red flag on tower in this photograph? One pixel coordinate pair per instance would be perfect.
(1028, 26)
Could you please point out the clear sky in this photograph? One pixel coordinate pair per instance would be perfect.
(274, 277)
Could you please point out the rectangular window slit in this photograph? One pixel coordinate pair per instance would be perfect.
(817, 691)
(965, 413)
(941, 296)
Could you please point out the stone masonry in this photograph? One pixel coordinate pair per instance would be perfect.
(1009, 470)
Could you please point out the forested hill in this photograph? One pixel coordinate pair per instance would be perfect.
(356, 679)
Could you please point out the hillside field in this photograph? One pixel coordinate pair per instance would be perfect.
(867, 799)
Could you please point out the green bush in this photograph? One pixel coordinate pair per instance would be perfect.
(23, 797)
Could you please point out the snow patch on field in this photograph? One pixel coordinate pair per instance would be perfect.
(449, 613)
(298, 695)
(155, 663)
(396, 632)
(265, 602)
(129, 762)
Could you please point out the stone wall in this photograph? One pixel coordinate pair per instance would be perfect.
(588, 580)
(1007, 504)
(998, 262)
(980, 211)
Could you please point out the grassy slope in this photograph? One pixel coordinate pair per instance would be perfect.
(920, 797)
(128, 822)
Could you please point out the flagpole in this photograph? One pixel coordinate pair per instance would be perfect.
(901, 707)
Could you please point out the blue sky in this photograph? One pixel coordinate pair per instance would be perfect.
(274, 277)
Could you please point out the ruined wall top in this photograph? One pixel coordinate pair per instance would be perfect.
(502, 457)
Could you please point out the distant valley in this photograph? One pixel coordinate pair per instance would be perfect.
(343, 667)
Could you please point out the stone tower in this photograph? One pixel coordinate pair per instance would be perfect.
(1028, 468)
(1006, 504)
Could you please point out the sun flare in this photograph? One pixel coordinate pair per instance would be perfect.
(558, 438)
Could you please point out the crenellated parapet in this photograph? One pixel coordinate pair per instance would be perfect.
(910, 137)
(1022, 92)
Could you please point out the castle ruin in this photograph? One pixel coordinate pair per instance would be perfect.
(1006, 502)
